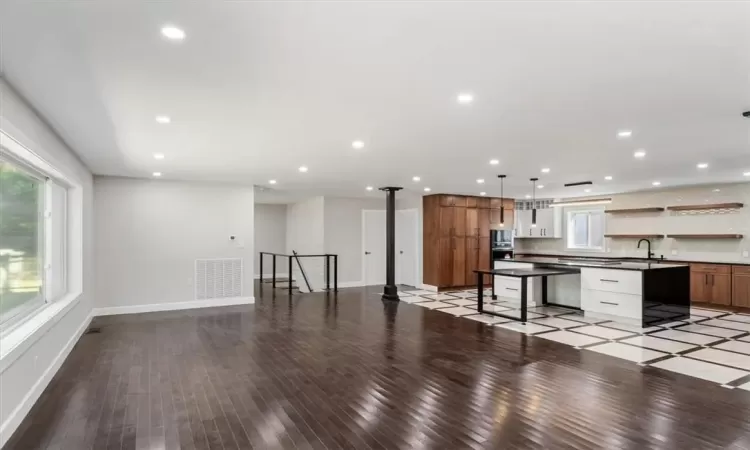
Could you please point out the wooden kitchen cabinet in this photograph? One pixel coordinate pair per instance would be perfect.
(456, 237)
(711, 283)
(741, 286)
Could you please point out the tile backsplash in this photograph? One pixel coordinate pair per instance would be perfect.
(735, 221)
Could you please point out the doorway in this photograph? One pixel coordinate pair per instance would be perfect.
(373, 243)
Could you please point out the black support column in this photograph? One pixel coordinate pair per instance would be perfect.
(390, 292)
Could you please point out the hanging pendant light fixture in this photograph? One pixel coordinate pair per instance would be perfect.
(533, 201)
(502, 201)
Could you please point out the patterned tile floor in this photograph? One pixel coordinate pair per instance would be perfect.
(711, 345)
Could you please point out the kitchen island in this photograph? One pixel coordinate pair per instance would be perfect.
(640, 293)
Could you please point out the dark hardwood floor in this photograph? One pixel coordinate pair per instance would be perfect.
(354, 373)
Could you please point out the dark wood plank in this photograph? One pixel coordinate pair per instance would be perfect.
(349, 371)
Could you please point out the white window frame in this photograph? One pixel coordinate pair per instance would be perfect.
(33, 165)
(569, 213)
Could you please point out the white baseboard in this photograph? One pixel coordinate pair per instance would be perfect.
(16, 417)
(267, 276)
(348, 284)
(135, 309)
(428, 287)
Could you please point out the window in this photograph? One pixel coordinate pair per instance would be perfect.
(585, 230)
(33, 236)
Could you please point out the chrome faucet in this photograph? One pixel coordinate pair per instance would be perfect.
(650, 254)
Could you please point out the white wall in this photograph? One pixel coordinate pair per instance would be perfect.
(343, 233)
(735, 222)
(270, 234)
(305, 222)
(410, 201)
(28, 366)
(150, 232)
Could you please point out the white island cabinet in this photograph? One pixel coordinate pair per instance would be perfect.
(509, 288)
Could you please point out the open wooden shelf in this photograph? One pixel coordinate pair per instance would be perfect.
(634, 236)
(705, 236)
(634, 210)
(706, 206)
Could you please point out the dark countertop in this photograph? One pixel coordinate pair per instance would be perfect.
(624, 265)
(631, 258)
(524, 273)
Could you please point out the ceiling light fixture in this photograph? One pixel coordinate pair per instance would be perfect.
(545, 170)
(591, 201)
(587, 190)
(158, 155)
(494, 162)
(358, 144)
(465, 98)
(747, 174)
(415, 179)
(608, 178)
(702, 165)
(480, 180)
(427, 189)
(533, 201)
(502, 201)
(172, 33)
(271, 181)
(639, 153)
(528, 196)
(656, 183)
(303, 169)
(369, 188)
(624, 134)
(163, 119)
(157, 174)
(717, 190)
(540, 186)
(482, 194)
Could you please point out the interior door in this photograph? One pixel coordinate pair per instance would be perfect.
(406, 247)
(373, 229)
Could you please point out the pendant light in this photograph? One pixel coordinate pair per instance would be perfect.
(533, 201)
(502, 201)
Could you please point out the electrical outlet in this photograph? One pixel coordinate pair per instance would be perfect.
(745, 254)
(674, 252)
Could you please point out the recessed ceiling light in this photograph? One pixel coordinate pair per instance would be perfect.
(358, 144)
(172, 33)
(639, 153)
(540, 186)
(624, 134)
(271, 181)
(482, 194)
(528, 196)
(415, 179)
(587, 190)
(158, 155)
(157, 174)
(702, 165)
(465, 98)
(494, 162)
(717, 190)
(163, 119)
(303, 169)
(608, 178)
(747, 174)
(427, 189)
(656, 183)
(369, 188)
(480, 180)
(545, 170)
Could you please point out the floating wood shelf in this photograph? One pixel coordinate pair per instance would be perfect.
(704, 207)
(634, 236)
(705, 236)
(633, 210)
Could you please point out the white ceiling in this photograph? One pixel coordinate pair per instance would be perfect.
(258, 89)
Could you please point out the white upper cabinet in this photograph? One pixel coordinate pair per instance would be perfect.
(548, 224)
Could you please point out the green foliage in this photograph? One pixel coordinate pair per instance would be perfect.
(20, 197)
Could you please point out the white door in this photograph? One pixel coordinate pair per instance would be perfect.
(373, 230)
(406, 247)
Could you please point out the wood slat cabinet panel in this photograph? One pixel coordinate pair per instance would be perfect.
(745, 270)
(495, 203)
(447, 200)
(459, 200)
(711, 268)
(483, 202)
(741, 290)
(472, 259)
(472, 222)
(459, 261)
(459, 220)
(721, 289)
(483, 222)
(445, 262)
(447, 219)
(485, 248)
(699, 287)
(471, 202)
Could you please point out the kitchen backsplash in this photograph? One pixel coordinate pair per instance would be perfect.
(668, 222)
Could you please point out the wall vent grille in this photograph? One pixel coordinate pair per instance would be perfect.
(218, 278)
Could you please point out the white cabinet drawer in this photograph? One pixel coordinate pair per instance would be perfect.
(612, 303)
(624, 281)
(508, 287)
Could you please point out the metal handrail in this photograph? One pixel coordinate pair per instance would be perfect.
(295, 256)
(302, 270)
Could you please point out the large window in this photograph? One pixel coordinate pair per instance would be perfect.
(32, 240)
(585, 230)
